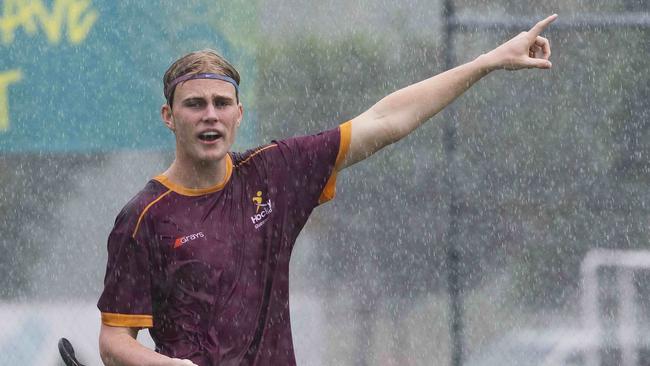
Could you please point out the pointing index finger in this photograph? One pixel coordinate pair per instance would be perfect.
(537, 29)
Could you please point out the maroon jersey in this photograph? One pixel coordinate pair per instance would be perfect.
(208, 269)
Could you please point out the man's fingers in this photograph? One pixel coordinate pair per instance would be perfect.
(183, 362)
(537, 29)
(544, 45)
(539, 63)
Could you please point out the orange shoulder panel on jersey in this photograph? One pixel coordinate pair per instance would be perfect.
(127, 320)
(330, 187)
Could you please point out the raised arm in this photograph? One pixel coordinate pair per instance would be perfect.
(118, 346)
(401, 112)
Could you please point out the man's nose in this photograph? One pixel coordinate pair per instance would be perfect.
(210, 114)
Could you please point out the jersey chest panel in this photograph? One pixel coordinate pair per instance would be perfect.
(214, 255)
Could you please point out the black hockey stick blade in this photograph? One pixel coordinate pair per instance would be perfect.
(67, 353)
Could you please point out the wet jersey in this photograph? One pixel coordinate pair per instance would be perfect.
(207, 270)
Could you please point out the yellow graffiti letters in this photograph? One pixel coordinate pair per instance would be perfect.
(80, 21)
(75, 16)
(6, 78)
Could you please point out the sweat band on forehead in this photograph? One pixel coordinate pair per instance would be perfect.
(180, 79)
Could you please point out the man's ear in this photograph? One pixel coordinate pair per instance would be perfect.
(241, 114)
(167, 117)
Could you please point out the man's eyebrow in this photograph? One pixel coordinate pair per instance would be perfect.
(211, 97)
(222, 97)
(193, 98)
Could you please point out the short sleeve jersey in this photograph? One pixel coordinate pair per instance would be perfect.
(207, 270)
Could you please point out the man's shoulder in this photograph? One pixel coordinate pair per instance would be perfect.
(240, 159)
(281, 147)
(151, 192)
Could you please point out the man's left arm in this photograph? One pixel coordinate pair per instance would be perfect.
(398, 114)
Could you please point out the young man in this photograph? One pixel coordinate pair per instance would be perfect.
(201, 255)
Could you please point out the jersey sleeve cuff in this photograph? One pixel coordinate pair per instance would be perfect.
(330, 187)
(127, 320)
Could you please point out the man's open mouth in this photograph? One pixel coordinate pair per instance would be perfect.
(209, 136)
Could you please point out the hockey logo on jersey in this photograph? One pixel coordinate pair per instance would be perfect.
(262, 210)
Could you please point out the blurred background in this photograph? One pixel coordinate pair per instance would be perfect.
(449, 247)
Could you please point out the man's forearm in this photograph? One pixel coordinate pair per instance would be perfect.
(406, 109)
(123, 350)
(119, 347)
(402, 111)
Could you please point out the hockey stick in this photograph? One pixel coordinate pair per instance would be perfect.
(67, 353)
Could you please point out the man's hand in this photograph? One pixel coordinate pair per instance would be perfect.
(179, 362)
(525, 51)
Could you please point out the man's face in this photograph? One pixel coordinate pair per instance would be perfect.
(205, 117)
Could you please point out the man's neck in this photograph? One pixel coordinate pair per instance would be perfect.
(198, 175)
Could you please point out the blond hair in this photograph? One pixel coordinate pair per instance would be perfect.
(203, 61)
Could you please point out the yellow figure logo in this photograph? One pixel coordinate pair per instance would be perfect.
(262, 210)
(257, 200)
